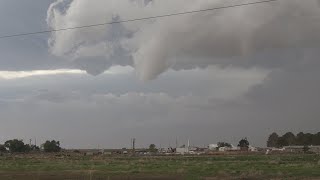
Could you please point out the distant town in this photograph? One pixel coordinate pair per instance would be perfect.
(288, 143)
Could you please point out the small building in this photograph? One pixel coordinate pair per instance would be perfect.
(235, 148)
(293, 149)
(213, 147)
(199, 151)
(107, 153)
(182, 151)
(253, 149)
(224, 149)
(166, 150)
(142, 152)
(277, 149)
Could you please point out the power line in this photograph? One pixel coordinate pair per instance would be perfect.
(138, 19)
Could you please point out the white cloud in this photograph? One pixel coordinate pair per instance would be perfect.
(24, 74)
(9, 75)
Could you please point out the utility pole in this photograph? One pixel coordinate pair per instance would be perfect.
(133, 146)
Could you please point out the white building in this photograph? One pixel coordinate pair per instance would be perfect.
(182, 150)
(253, 149)
(213, 147)
(235, 148)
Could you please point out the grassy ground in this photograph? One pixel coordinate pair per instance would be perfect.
(197, 167)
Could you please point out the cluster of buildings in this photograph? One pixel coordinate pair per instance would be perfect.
(215, 147)
(211, 148)
(192, 150)
(182, 150)
(205, 150)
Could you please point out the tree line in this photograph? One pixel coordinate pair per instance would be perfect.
(18, 146)
(290, 139)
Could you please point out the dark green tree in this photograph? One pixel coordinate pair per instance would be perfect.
(282, 142)
(34, 148)
(300, 139)
(316, 139)
(152, 148)
(244, 144)
(3, 149)
(51, 146)
(308, 139)
(289, 138)
(273, 140)
(16, 145)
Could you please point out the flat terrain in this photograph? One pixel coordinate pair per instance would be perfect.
(53, 167)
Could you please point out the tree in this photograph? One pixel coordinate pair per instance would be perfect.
(289, 138)
(3, 149)
(16, 145)
(308, 138)
(51, 146)
(34, 148)
(282, 142)
(273, 140)
(152, 148)
(300, 139)
(224, 144)
(244, 144)
(316, 139)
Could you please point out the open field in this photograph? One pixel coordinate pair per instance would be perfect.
(178, 167)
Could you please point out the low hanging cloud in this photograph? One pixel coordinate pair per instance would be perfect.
(24, 74)
(243, 36)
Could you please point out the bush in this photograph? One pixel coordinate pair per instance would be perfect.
(51, 146)
(16, 145)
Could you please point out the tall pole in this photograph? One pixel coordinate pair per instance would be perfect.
(133, 145)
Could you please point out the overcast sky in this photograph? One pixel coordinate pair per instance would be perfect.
(208, 77)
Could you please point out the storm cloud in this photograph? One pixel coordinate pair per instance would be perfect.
(237, 36)
(214, 76)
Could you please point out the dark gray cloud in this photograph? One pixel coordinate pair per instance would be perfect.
(234, 73)
(118, 103)
(290, 94)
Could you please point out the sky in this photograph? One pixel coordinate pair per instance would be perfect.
(208, 77)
